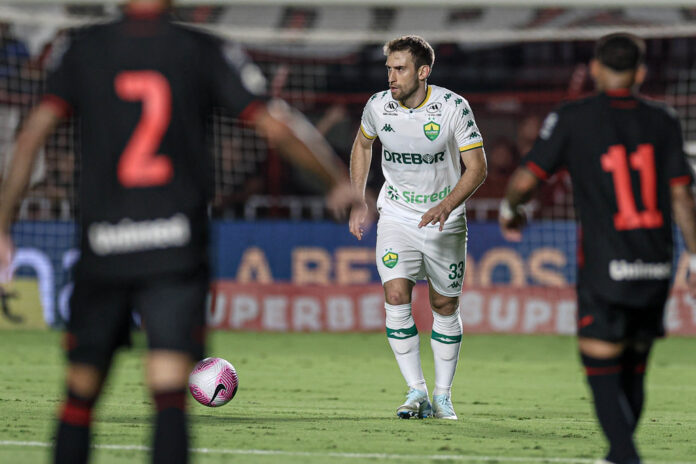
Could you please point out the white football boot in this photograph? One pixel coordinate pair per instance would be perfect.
(416, 405)
(442, 407)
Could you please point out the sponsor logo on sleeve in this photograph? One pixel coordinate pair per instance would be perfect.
(548, 126)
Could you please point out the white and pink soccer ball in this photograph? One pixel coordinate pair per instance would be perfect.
(213, 382)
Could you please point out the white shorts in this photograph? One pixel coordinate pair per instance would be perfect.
(407, 252)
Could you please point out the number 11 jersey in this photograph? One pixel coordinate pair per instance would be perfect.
(622, 153)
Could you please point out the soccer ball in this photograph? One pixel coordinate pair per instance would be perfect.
(213, 382)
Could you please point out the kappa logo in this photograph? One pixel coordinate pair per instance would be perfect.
(432, 130)
(435, 107)
(399, 335)
(387, 128)
(390, 259)
(391, 106)
(455, 284)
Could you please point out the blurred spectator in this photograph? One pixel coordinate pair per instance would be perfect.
(13, 53)
(502, 157)
(527, 132)
(237, 178)
(336, 126)
(502, 160)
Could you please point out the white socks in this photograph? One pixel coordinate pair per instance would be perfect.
(405, 343)
(445, 340)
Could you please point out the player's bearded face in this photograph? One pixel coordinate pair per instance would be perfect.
(402, 75)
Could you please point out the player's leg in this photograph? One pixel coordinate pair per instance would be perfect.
(405, 344)
(83, 382)
(98, 325)
(173, 312)
(167, 373)
(399, 265)
(634, 360)
(601, 331)
(645, 325)
(445, 340)
(444, 257)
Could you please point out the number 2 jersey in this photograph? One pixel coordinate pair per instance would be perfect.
(142, 90)
(622, 153)
(420, 150)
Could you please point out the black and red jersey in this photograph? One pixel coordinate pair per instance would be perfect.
(622, 153)
(142, 90)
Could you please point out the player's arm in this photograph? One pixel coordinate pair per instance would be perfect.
(297, 140)
(38, 126)
(360, 160)
(474, 174)
(684, 210)
(546, 157)
(520, 189)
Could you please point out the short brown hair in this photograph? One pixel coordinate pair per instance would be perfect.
(620, 51)
(422, 52)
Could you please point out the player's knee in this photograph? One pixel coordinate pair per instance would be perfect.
(84, 380)
(397, 297)
(445, 306)
(599, 349)
(168, 370)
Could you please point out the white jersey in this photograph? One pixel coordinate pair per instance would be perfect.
(420, 150)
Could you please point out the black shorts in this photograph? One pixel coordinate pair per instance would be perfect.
(611, 322)
(172, 310)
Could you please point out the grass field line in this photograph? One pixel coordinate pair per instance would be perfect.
(314, 454)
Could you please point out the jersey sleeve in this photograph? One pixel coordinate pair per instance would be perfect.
(61, 77)
(547, 153)
(368, 122)
(466, 133)
(237, 84)
(678, 170)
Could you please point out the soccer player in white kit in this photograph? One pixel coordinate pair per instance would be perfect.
(427, 133)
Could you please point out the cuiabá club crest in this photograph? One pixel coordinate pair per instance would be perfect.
(432, 130)
(390, 259)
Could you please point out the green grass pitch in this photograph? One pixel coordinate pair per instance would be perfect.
(316, 398)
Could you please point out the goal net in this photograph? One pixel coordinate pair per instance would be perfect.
(513, 60)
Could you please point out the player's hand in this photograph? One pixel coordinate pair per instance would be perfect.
(691, 277)
(511, 225)
(6, 252)
(511, 230)
(438, 213)
(340, 198)
(358, 219)
(691, 284)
